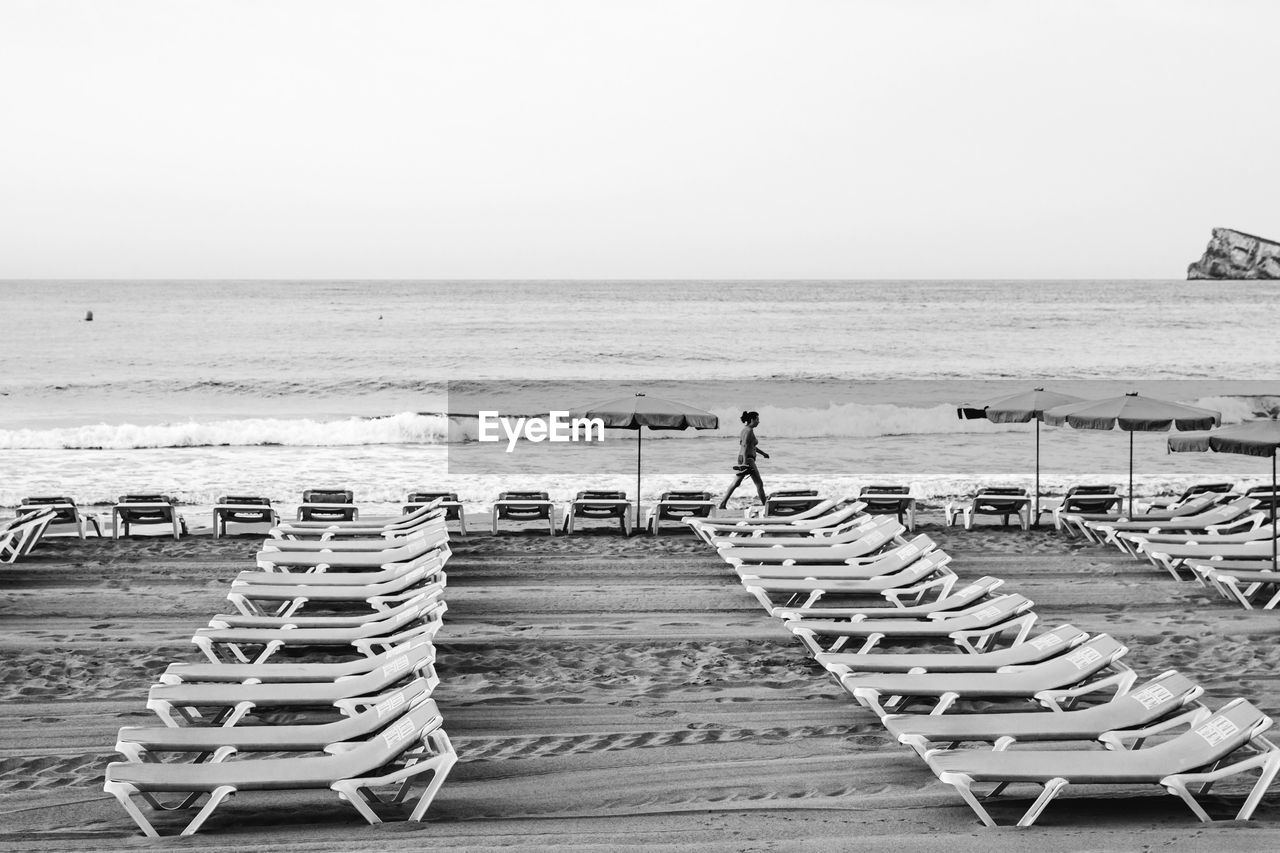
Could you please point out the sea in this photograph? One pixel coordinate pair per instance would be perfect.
(200, 389)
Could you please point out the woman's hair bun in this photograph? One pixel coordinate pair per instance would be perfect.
(747, 416)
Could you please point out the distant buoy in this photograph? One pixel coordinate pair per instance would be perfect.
(379, 316)
(88, 316)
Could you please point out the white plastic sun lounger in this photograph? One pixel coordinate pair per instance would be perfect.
(1165, 702)
(367, 639)
(1077, 524)
(391, 527)
(180, 704)
(1040, 647)
(1173, 557)
(433, 531)
(319, 561)
(974, 629)
(929, 573)
(1227, 744)
(288, 599)
(1054, 682)
(850, 531)
(886, 534)
(344, 575)
(1107, 531)
(855, 568)
(1248, 583)
(280, 673)
(408, 748)
(829, 513)
(946, 599)
(1253, 528)
(217, 743)
(22, 534)
(375, 609)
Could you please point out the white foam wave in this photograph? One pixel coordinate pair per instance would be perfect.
(405, 428)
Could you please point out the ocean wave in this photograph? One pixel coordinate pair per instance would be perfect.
(404, 428)
(845, 420)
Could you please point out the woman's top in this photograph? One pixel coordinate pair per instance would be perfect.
(747, 446)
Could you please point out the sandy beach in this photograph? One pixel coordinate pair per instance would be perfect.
(601, 693)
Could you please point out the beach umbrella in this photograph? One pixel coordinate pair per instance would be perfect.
(1018, 409)
(644, 411)
(1251, 438)
(1132, 413)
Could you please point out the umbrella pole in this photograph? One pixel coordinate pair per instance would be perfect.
(639, 441)
(1130, 475)
(1035, 507)
(1275, 563)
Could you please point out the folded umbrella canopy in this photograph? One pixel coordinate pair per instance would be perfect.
(1018, 409)
(644, 411)
(1251, 438)
(1132, 413)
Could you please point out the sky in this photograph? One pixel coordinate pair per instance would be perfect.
(633, 139)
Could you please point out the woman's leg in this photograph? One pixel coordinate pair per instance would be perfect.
(755, 478)
(737, 481)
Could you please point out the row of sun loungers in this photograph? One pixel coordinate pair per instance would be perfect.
(355, 606)
(873, 611)
(1224, 541)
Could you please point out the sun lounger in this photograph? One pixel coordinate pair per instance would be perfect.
(927, 573)
(1244, 582)
(413, 745)
(1005, 502)
(146, 743)
(890, 500)
(875, 541)
(367, 639)
(945, 597)
(447, 501)
(388, 528)
(1166, 702)
(313, 561)
(242, 509)
(1172, 557)
(524, 506)
(328, 505)
(801, 525)
(20, 535)
(290, 598)
(599, 505)
(789, 502)
(1077, 524)
(1083, 499)
(432, 530)
(385, 608)
(1055, 682)
(974, 629)
(1251, 528)
(1041, 647)
(65, 512)
(822, 537)
(679, 507)
(280, 672)
(1229, 743)
(181, 704)
(1106, 531)
(1198, 490)
(133, 510)
(855, 568)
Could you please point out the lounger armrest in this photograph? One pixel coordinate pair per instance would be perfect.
(1116, 738)
(977, 640)
(1063, 698)
(1252, 521)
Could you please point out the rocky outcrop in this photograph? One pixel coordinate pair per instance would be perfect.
(1236, 255)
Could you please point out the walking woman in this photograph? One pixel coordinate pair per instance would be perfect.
(748, 449)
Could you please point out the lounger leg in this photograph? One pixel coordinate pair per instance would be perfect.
(121, 792)
(964, 786)
(1051, 790)
(1267, 776)
(215, 799)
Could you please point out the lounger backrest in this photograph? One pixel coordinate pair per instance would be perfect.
(145, 515)
(1207, 488)
(1081, 662)
(1166, 692)
(993, 612)
(1090, 490)
(1235, 724)
(342, 499)
(524, 513)
(452, 509)
(999, 499)
(390, 742)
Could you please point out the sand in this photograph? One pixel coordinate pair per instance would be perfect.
(602, 693)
